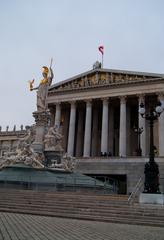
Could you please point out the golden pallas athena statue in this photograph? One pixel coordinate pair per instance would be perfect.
(42, 89)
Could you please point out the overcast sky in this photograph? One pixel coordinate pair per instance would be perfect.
(70, 31)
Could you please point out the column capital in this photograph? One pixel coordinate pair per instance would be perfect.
(123, 99)
(57, 103)
(88, 102)
(105, 99)
(72, 103)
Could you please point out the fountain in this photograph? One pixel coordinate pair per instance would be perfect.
(39, 160)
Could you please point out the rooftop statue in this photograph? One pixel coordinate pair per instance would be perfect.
(42, 89)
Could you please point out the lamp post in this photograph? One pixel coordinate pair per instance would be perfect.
(139, 132)
(151, 170)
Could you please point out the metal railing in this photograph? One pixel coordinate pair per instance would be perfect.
(135, 191)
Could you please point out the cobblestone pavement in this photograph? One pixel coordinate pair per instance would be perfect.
(23, 227)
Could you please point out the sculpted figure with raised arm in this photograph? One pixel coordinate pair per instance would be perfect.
(42, 89)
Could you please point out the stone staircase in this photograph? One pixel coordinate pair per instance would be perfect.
(106, 208)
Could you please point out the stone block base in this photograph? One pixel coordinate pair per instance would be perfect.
(151, 198)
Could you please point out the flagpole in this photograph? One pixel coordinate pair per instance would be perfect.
(102, 60)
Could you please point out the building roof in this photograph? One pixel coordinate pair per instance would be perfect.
(101, 70)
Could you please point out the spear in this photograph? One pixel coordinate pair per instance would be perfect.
(51, 62)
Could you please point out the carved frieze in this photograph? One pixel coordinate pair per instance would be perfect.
(101, 79)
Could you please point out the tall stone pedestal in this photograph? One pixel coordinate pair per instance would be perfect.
(41, 119)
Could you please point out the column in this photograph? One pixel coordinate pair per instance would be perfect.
(128, 132)
(65, 128)
(71, 134)
(111, 130)
(161, 127)
(104, 130)
(87, 134)
(142, 124)
(58, 115)
(95, 135)
(122, 136)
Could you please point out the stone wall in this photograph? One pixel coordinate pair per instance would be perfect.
(133, 168)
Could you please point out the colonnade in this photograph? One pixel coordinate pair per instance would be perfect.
(105, 128)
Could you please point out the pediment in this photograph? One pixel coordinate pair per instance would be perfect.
(103, 77)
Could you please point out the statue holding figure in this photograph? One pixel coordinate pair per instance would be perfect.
(42, 89)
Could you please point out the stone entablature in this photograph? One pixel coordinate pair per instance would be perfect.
(103, 92)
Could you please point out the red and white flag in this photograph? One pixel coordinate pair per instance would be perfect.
(101, 49)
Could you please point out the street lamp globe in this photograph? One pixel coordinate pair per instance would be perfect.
(142, 109)
(159, 109)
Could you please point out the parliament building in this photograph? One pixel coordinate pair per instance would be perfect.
(98, 113)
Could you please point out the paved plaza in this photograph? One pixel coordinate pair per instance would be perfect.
(23, 227)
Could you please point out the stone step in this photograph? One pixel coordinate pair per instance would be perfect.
(83, 212)
(45, 199)
(67, 202)
(63, 201)
(86, 206)
(64, 197)
(103, 212)
(62, 194)
(109, 208)
(116, 219)
(67, 199)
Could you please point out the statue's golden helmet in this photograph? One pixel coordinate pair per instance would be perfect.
(45, 70)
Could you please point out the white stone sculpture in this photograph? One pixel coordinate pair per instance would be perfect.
(24, 154)
(53, 139)
(68, 163)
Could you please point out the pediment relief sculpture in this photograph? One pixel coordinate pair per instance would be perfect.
(99, 79)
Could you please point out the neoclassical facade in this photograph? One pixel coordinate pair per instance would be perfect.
(98, 111)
